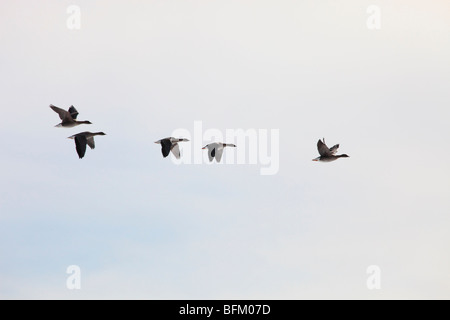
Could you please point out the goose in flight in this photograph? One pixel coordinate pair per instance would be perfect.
(215, 150)
(328, 154)
(170, 144)
(85, 138)
(69, 118)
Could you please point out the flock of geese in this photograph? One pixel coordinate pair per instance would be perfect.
(170, 144)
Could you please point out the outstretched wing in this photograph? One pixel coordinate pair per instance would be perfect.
(219, 153)
(323, 149)
(334, 149)
(63, 114)
(166, 145)
(80, 143)
(91, 143)
(211, 153)
(176, 150)
(73, 112)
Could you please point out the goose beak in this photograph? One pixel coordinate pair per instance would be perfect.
(203, 148)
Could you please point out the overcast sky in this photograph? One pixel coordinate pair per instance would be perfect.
(140, 226)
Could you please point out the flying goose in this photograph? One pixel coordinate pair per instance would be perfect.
(215, 150)
(170, 144)
(83, 138)
(328, 154)
(69, 118)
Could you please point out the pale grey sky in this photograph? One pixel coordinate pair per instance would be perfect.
(140, 226)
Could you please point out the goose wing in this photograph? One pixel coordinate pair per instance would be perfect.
(80, 143)
(90, 142)
(176, 150)
(334, 149)
(219, 153)
(166, 146)
(63, 114)
(211, 152)
(323, 149)
(73, 112)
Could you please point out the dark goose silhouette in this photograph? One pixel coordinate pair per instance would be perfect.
(328, 154)
(85, 138)
(69, 118)
(170, 144)
(215, 150)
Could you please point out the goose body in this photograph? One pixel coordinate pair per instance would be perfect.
(85, 138)
(170, 144)
(215, 150)
(328, 154)
(69, 117)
